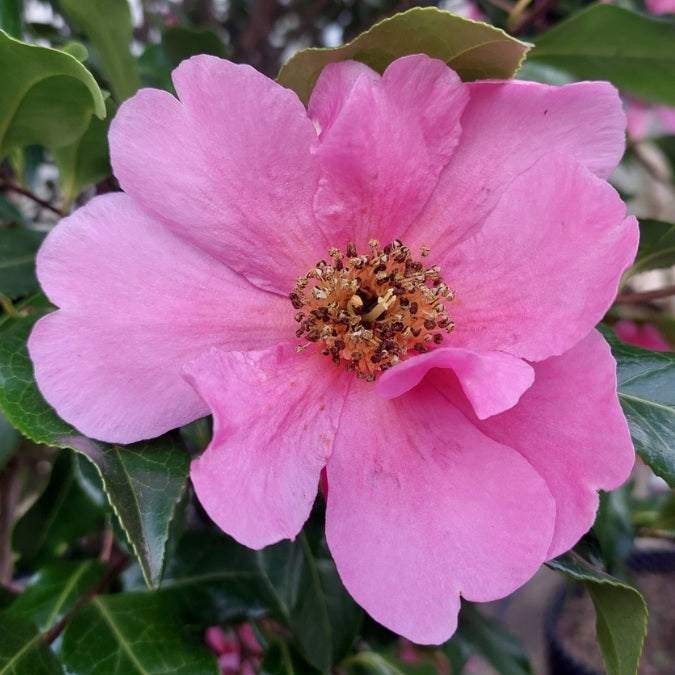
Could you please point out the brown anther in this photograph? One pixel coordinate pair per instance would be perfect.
(369, 312)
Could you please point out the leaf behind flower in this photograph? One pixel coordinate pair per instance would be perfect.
(474, 50)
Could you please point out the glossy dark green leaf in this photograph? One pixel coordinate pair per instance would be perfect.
(22, 649)
(10, 17)
(621, 613)
(7, 597)
(280, 659)
(489, 638)
(61, 515)
(594, 45)
(132, 634)
(180, 43)
(85, 161)
(614, 528)
(9, 213)
(154, 68)
(458, 651)
(18, 247)
(311, 600)
(107, 25)
(646, 385)
(213, 579)
(54, 590)
(657, 246)
(143, 481)
(48, 96)
(374, 663)
(474, 50)
(10, 439)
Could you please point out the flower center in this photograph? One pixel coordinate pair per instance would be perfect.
(370, 311)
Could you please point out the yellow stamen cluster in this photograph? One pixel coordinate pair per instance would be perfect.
(370, 311)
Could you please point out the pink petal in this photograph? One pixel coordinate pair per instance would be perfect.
(506, 127)
(136, 303)
(383, 144)
(275, 415)
(544, 267)
(570, 427)
(644, 335)
(227, 167)
(423, 507)
(661, 6)
(492, 381)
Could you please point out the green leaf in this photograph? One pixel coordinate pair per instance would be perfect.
(22, 649)
(76, 50)
(281, 660)
(621, 613)
(10, 17)
(61, 515)
(143, 481)
(86, 160)
(48, 96)
(10, 214)
(657, 246)
(646, 386)
(10, 439)
(474, 50)
(54, 590)
(311, 600)
(213, 579)
(18, 247)
(593, 45)
(180, 43)
(614, 528)
(373, 663)
(490, 639)
(107, 25)
(134, 634)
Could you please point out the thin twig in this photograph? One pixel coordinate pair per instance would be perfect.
(111, 575)
(645, 296)
(4, 185)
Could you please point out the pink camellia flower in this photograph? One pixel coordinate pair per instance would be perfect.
(398, 285)
(641, 335)
(661, 6)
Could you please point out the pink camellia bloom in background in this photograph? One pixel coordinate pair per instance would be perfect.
(661, 6)
(232, 659)
(644, 335)
(398, 285)
(646, 120)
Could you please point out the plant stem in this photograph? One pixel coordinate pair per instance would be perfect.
(4, 185)
(645, 296)
(115, 570)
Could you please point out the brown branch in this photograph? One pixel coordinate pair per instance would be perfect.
(645, 296)
(4, 185)
(114, 571)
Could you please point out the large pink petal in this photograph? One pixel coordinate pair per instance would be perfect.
(491, 381)
(383, 144)
(136, 303)
(506, 127)
(275, 416)
(423, 507)
(570, 427)
(227, 167)
(544, 267)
